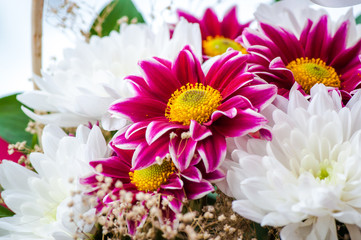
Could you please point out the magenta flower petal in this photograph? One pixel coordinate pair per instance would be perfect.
(156, 129)
(228, 67)
(246, 121)
(130, 142)
(176, 202)
(156, 70)
(173, 182)
(237, 83)
(212, 151)
(214, 176)
(198, 190)
(113, 167)
(230, 25)
(210, 19)
(182, 151)
(198, 131)
(260, 95)
(139, 108)
(237, 101)
(145, 155)
(230, 113)
(187, 68)
(192, 174)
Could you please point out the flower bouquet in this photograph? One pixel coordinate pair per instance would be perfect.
(205, 128)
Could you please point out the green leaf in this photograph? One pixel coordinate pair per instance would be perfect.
(262, 233)
(13, 121)
(107, 20)
(358, 19)
(4, 212)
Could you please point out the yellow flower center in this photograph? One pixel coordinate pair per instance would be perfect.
(218, 45)
(308, 72)
(193, 102)
(150, 178)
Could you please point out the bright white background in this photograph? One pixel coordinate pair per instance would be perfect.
(15, 24)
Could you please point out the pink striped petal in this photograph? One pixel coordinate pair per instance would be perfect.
(197, 190)
(145, 154)
(212, 151)
(259, 95)
(131, 142)
(182, 151)
(156, 74)
(192, 174)
(210, 23)
(139, 108)
(173, 182)
(187, 67)
(156, 129)
(244, 122)
(238, 102)
(198, 131)
(114, 167)
(176, 203)
(230, 113)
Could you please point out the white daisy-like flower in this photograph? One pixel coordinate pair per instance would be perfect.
(294, 14)
(337, 3)
(81, 87)
(309, 175)
(43, 201)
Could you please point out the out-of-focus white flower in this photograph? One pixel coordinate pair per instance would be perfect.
(42, 201)
(81, 87)
(309, 175)
(294, 14)
(337, 3)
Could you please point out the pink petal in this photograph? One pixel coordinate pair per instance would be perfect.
(210, 23)
(187, 67)
(259, 95)
(238, 102)
(230, 113)
(145, 155)
(178, 198)
(182, 151)
(156, 129)
(214, 176)
(114, 167)
(139, 108)
(131, 142)
(192, 174)
(197, 190)
(173, 182)
(212, 151)
(156, 75)
(198, 131)
(244, 122)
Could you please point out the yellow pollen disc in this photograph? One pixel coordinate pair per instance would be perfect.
(193, 102)
(308, 72)
(218, 45)
(150, 178)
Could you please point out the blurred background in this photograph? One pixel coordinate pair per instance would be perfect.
(61, 30)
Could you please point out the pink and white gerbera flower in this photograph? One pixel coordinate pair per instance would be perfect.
(217, 35)
(178, 98)
(316, 56)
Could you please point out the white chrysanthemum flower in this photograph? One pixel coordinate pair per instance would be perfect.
(82, 86)
(309, 175)
(42, 201)
(337, 3)
(293, 15)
